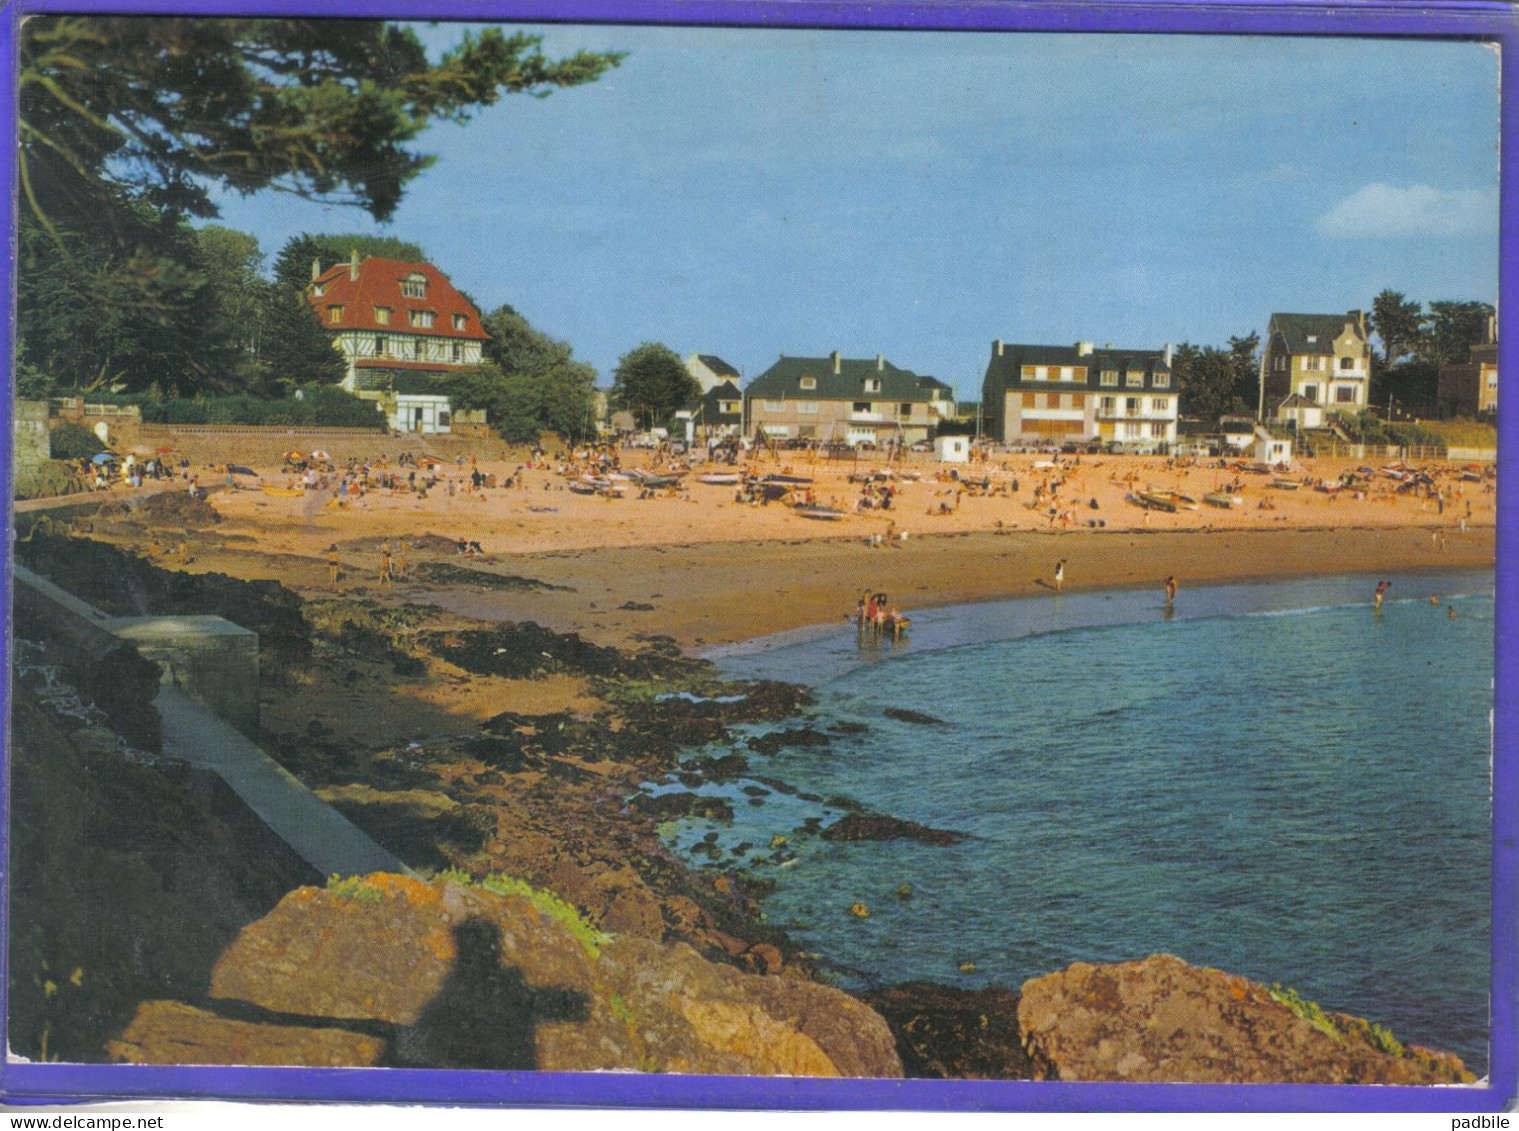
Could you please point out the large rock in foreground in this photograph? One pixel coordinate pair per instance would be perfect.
(1161, 1020)
(399, 972)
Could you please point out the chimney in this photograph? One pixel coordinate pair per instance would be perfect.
(1083, 349)
(1358, 320)
(316, 270)
(880, 364)
(1168, 355)
(353, 264)
(834, 357)
(997, 348)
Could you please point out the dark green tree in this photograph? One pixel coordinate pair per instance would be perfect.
(166, 107)
(1399, 322)
(126, 124)
(296, 350)
(1214, 382)
(652, 383)
(237, 294)
(1454, 327)
(292, 266)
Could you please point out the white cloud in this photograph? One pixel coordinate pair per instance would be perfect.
(1379, 210)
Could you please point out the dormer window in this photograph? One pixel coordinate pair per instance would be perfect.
(334, 314)
(461, 321)
(414, 285)
(319, 289)
(1134, 380)
(1313, 339)
(382, 315)
(422, 318)
(872, 384)
(808, 383)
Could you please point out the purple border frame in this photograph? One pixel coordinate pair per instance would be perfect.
(1488, 20)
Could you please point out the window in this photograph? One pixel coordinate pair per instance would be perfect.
(382, 315)
(861, 406)
(727, 408)
(1344, 394)
(1279, 362)
(461, 321)
(1313, 339)
(1162, 381)
(905, 409)
(380, 349)
(1161, 404)
(1313, 365)
(334, 314)
(775, 406)
(1131, 406)
(414, 285)
(422, 318)
(1066, 373)
(458, 352)
(872, 384)
(319, 289)
(1110, 378)
(1109, 405)
(808, 407)
(808, 382)
(1158, 430)
(1347, 363)
(1135, 380)
(1030, 400)
(1311, 392)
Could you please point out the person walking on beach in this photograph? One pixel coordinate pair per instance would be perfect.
(385, 567)
(332, 565)
(1382, 588)
(1170, 591)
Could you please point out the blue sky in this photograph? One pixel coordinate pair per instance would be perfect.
(750, 193)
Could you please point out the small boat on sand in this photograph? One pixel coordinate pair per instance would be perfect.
(1155, 501)
(787, 480)
(1285, 484)
(825, 514)
(719, 478)
(1223, 499)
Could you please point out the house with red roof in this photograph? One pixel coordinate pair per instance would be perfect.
(397, 324)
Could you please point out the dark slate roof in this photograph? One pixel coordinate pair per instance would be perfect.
(1295, 329)
(1004, 370)
(709, 404)
(717, 365)
(783, 381)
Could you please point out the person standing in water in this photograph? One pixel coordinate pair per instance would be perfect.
(1170, 591)
(1382, 588)
(1059, 574)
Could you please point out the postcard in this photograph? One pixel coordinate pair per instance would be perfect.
(761, 558)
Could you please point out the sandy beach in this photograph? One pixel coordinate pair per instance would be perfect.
(698, 566)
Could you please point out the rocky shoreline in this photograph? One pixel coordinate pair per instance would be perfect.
(547, 791)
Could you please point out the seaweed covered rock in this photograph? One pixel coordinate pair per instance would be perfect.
(388, 970)
(527, 649)
(877, 826)
(1160, 1019)
(946, 1033)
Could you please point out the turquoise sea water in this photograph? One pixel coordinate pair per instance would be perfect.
(1273, 781)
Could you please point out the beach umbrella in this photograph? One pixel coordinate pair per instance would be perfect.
(163, 451)
(239, 469)
(320, 455)
(104, 457)
(293, 455)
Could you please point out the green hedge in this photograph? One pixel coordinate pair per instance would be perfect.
(72, 441)
(321, 407)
